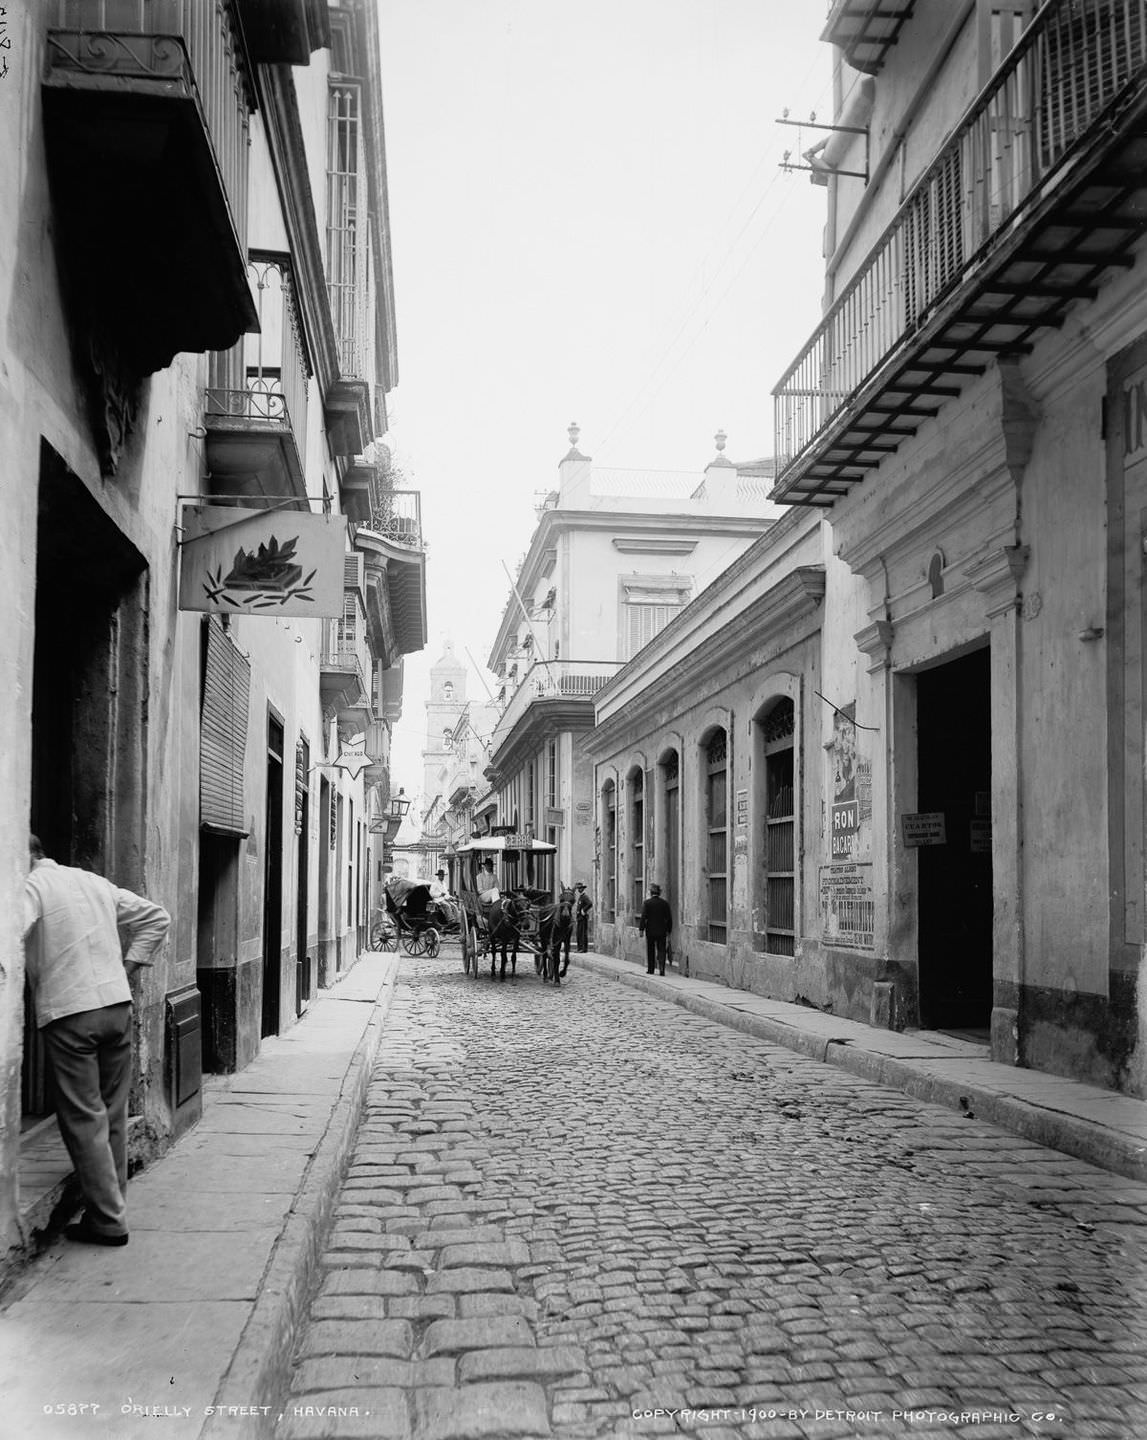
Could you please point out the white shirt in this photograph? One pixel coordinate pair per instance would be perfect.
(72, 920)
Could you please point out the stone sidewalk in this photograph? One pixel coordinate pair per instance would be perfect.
(181, 1331)
(1106, 1129)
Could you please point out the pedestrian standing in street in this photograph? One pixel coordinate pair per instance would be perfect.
(582, 907)
(656, 924)
(78, 974)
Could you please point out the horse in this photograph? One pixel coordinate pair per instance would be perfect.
(555, 931)
(502, 931)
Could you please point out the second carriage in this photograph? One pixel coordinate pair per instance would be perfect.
(415, 917)
(505, 866)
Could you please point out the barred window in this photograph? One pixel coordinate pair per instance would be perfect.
(717, 835)
(637, 839)
(780, 830)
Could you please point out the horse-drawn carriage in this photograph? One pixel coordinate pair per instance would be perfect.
(414, 918)
(506, 889)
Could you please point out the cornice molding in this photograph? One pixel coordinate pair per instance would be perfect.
(998, 576)
(635, 545)
(543, 717)
(781, 618)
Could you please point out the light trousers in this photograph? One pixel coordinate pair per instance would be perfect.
(90, 1055)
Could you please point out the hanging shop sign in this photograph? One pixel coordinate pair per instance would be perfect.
(261, 562)
(353, 757)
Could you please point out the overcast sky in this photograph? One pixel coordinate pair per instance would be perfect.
(588, 223)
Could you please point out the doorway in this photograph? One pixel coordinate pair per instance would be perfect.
(954, 779)
(273, 880)
(303, 826)
(89, 689)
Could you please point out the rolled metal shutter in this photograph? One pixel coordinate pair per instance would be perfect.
(223, 732)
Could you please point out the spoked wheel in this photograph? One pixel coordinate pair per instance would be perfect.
(414, 943)
(467, 946)
(433, 942)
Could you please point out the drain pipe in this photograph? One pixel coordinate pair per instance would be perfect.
(896, 139)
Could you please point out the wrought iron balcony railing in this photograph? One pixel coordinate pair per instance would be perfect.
(551, 680)
(1077, 65)
(397, 516)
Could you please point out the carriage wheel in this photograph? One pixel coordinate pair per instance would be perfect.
(414, 944)
(433, 942)
(466, 944)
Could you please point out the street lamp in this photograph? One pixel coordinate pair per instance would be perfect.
(399, 805)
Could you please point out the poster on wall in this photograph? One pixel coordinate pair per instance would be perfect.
(845, 812)
(848, 906)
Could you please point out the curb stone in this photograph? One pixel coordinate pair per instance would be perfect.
(259, 1370)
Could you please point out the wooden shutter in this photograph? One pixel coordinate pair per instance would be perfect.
(223, 733)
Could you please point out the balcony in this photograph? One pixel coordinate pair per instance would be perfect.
(866, 32)
(284, 32)
(378, 753)
(391, 542)
(1041, 191)
(255, 410)
(345, 669)
(560, 690)
(146, 106)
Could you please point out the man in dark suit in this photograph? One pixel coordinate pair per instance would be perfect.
(581, 910)
(656, 924)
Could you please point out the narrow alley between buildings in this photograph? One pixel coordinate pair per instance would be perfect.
(588, 1213)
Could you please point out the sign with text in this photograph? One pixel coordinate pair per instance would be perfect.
(848, 906)
(261, 562)
(845, 825)
(925, 828)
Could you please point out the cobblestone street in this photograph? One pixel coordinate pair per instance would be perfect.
(571, 1212)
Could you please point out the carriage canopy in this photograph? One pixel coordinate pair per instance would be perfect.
(519, 863)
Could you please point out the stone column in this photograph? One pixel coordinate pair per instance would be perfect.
(997, 576)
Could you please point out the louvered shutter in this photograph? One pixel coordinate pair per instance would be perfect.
(223, 733)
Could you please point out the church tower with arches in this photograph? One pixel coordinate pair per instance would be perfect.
(444, 708)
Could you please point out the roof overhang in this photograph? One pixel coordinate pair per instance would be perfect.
(866, 30)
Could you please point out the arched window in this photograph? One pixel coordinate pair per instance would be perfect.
(717, 835)
(637, 839)
(448, 690)
(609, 849)
(779, 849)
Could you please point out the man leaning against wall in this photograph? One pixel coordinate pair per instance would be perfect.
(79, 978)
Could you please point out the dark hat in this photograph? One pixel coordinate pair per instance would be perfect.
(440, 872)
(655, 889)
(580, 885)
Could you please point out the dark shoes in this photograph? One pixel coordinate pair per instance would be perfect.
(83, 1234)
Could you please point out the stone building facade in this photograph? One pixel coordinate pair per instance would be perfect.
(961, 443)
(223, 337)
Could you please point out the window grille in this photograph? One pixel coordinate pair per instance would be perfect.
(609, 808)
(348, 228)
(780, 830)
(552, 774)
(717, 834)
(637, 839)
